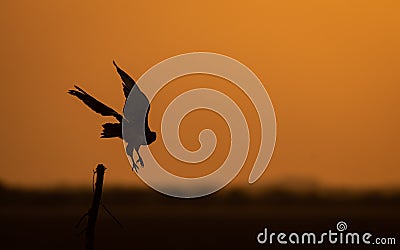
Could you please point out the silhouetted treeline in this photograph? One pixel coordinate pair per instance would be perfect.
(271, 196)
(228, 219)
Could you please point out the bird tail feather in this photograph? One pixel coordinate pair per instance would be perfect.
(111, 130)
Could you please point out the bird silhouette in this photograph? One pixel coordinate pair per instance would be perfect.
(136, 121)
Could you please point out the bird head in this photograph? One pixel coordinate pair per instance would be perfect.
(151, 137)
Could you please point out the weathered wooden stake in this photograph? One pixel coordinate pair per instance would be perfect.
(94, 210)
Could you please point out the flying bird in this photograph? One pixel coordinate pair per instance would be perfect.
(136, 120)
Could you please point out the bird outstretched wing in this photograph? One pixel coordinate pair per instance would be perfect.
(138, 102)
(127, 81)
(94, 104)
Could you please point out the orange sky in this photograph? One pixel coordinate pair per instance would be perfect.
(331, 69)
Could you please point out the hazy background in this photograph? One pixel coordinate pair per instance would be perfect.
(330, 68)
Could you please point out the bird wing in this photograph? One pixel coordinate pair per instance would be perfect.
(136, 116)
(94, 104)
(138, 107)
(127, 81)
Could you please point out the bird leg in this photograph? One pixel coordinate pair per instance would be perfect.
(140, 160)
(135, 167)
(129, 151)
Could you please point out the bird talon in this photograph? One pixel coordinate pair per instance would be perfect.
(140, 160)
(135, 168)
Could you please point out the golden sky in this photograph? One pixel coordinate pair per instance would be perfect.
(331, 69)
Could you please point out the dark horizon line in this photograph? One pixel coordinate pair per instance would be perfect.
(272, 188)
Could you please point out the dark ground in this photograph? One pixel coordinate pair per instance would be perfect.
(225, 220)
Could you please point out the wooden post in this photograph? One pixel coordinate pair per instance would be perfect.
(94, 210)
